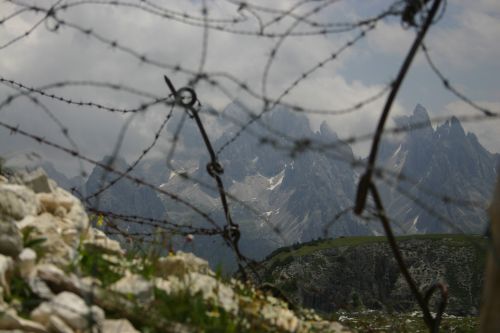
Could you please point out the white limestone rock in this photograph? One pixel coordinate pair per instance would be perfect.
(164, 285)
(51, 228)
(48, 274)
(2, 302)
(209, 287)
(9, 320)
(118, 326)
(77, 213)
(17, 201)
(98, 240)
(63, 204)
(38, 181)
(72, 310)
(10, 238)
(281, 317)
(50, 202)
(6, 269)
(182, 264)
(57, 325)
(26, 262)
(135, 285)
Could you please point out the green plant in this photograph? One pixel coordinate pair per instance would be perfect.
(91, 262)
(22, 296)
(32, 241)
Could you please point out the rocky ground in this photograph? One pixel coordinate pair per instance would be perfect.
(60, 274)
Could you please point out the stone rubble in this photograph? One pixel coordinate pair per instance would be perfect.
(43, 232)
(27, 262)
(71, 309)
(118, 326)
(136, 286)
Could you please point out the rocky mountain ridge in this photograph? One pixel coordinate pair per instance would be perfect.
(437, 180)
(436, 167)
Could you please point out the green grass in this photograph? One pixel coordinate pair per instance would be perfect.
(21, 297)
(191, 310)
(299, 250)
(91, 262)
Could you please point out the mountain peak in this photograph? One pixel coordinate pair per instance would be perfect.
(455, 122)
(327, 132)
(452, 127)
(420, 115)
(419, 120)
(456, 126)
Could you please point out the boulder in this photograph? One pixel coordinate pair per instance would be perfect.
(136, 286)
(17, 202)
(61, 203)
(6, 270)
(281, 317)
(96, 239)
(118, 325)
(9, 320)
(76, 214)
(51, 202)
(165, 285)
(10, 238)
(207, 286)
(43, 275)
(182, 264)
(72, 310)
(26, 261)
(38, 181)
(57, 325)
(50, 228)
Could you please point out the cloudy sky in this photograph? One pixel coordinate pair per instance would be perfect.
(463, 44)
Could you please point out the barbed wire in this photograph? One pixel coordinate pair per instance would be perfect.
(136, 162)
(448, 86)
(297, 20)
(164, 224)
(41, 91)
(199, 22)
(365, 179)
(67, 101)
(28, 32)
(269, 106)
(300, 146)
(76, 154)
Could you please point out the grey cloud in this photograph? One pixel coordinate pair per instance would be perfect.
(47, 57)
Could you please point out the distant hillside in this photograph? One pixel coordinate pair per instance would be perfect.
(360, 272)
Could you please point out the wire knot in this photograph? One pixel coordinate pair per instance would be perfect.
(232, 232)
(214, 169)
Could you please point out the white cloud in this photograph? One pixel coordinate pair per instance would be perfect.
(470, 41)
(336, 93)
(391, 39)
(45, 57)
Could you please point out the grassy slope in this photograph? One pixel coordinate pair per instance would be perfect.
(313, 246)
